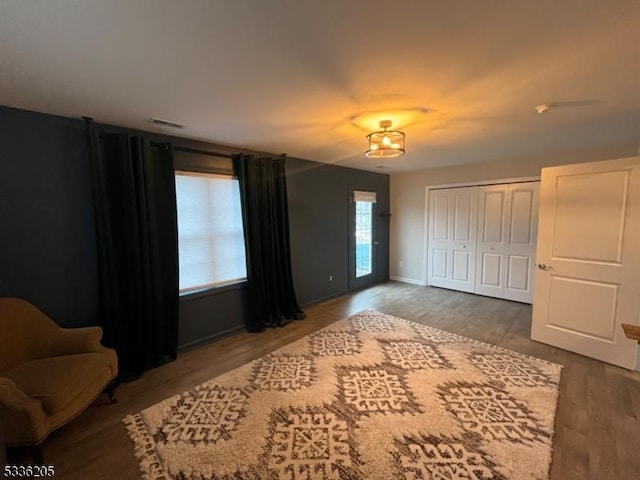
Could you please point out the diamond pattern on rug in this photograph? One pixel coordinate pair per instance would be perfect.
(283, 372)
(441, 458)
(310, 443)
(368, 322)
(335, 344)
(374, 389)
(205, 414)
(411, 355)
(491, 413)
(510, 369)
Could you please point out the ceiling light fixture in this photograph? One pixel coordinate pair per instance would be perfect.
(385, 143)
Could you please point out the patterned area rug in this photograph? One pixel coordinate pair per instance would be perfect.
(369, 397)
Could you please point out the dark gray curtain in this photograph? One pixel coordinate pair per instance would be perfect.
(265, 215)
(136, 225)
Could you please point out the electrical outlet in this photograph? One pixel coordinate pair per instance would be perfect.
(331, 278)
(401, 264)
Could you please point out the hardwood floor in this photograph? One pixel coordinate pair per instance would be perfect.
(597, 431)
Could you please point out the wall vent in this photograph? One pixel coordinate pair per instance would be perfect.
(166, 123)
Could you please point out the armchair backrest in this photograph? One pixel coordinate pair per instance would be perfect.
(26, 333)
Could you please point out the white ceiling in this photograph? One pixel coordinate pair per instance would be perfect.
(291, 75)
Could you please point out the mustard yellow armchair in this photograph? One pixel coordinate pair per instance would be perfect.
(48, 374)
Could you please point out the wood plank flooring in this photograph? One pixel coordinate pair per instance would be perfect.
(597, 431)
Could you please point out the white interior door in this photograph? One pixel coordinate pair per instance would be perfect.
(588, 254)
(507, 230)
(452, 238)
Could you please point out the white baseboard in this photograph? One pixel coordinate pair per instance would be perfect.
(412, 281)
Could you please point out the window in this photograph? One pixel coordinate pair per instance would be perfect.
(210, 233)
(364, 232)
(364, 211)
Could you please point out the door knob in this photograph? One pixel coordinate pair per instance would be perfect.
(542, 266)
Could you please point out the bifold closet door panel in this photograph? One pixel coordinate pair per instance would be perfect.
(440, 239)
(507, 230)
(522, 233)
(452, 234)
(493, 223)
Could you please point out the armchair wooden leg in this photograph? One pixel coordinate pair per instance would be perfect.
(111, 391)
(36, 455)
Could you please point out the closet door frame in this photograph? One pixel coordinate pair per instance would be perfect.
(478, 183)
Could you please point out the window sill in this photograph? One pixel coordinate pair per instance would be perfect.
(210, 291)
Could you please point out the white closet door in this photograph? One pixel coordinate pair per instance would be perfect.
(452, 234)
(507, 230)
(493, 223)
(521, 233)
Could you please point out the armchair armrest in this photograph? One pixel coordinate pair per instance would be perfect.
(23, 416)
(13, 398)
(69, 341)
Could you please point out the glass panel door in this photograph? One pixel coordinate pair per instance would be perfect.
(364, 238)
(362, 243)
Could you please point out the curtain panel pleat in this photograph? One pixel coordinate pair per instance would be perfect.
(136, 226)
(265, 215)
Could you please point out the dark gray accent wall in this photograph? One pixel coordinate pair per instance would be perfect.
(210, 315)
(47, 240)
(319, 202)
(47, 234)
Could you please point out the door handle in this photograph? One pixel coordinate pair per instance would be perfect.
(542, 266)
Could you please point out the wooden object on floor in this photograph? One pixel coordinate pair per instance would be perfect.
(111, 390)
(597, 431)
(632, 331)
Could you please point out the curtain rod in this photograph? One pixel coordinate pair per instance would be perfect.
(89, 120)
(203, 152)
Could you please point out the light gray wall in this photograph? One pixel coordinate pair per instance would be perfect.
(408, 198)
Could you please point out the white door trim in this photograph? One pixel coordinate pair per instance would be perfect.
(478, 183)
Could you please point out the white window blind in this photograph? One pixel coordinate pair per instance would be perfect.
(210, 233)
(369, 197)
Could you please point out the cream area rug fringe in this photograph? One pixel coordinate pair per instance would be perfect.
(369, 397)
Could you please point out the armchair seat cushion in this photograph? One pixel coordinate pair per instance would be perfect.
(57, 381)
